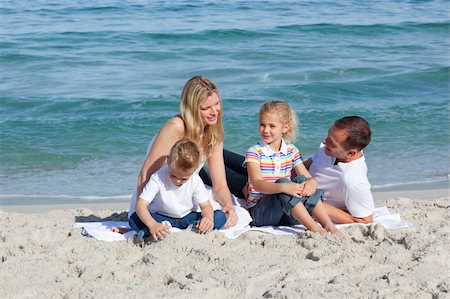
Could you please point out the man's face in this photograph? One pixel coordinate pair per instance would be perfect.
(333, 144)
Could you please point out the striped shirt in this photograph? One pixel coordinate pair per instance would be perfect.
(273, 165)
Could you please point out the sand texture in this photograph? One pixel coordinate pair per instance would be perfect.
(43, 256)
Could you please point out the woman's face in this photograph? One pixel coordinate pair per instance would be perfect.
(209, 109)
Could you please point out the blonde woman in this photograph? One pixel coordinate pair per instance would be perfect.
(200, 120)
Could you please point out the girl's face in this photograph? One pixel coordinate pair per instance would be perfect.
(209, 110)
(271, 129)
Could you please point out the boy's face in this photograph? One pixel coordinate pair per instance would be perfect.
(178, 176)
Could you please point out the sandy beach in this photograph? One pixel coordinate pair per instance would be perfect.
(43, 256)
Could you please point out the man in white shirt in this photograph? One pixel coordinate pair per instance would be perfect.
(340, 169)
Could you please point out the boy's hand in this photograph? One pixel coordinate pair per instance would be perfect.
(309, 187)
(159, 231)
(205, 225)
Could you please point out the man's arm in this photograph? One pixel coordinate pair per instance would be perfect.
(343, 217)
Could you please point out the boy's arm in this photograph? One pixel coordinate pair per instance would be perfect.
(207, 222)
(341, 216)
(157, 230)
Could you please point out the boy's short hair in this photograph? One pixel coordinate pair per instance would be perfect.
(184, 155)
(358, 130)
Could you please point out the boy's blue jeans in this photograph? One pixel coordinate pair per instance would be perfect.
(190, 219)
(275, 209)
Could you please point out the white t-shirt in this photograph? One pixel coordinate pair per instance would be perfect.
(346, 185)
(167, 199)
(132, 208)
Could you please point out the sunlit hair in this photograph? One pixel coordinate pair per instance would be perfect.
(287, 115)
(184, 155)
(358, 129)
(195, 91)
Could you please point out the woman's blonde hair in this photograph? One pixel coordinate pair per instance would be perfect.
(195, 91)
(287, 115)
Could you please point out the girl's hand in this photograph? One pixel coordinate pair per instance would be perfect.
(309, 187)
(205, 225)
(293, 189)
(159, 231)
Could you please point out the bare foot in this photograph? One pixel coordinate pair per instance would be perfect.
(120, 230)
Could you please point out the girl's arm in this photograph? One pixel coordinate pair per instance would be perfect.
(157, 230)
(310, 186)
(219, 181)
(170, 133)
(207, 222)
(254, 173)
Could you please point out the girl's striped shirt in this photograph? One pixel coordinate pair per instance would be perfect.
(273, 165)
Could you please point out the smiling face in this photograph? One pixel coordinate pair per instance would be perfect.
(209, 109)
(271, 129)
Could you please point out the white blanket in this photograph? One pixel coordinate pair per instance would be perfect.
(102, 230)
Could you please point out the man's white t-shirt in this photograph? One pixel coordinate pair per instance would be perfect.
(167, 199)
(346, 185)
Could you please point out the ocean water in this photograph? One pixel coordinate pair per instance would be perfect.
(85, 85)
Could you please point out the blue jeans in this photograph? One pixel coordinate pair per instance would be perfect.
(190, 219)
(275, 209)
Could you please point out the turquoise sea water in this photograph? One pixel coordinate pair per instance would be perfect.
(84, 85)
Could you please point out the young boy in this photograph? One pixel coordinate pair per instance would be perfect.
(173, 194)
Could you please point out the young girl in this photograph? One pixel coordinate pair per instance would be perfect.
(273, 198)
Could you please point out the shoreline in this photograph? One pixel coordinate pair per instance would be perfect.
(379, 194)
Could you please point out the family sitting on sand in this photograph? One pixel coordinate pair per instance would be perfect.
(277, 186)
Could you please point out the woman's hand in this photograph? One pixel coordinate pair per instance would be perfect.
(232, 217)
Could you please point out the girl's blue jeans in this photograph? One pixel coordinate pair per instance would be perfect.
(275, 209)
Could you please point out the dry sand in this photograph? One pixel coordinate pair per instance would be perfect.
(42, 256)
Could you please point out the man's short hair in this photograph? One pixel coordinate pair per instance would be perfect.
(358, 129)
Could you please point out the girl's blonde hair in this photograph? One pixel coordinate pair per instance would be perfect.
(287, 115)
(184, 155)
(195, 91)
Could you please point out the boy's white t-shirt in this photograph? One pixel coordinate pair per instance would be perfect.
(167, 199)
(346, 185)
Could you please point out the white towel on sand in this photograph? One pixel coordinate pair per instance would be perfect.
(102, 230)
